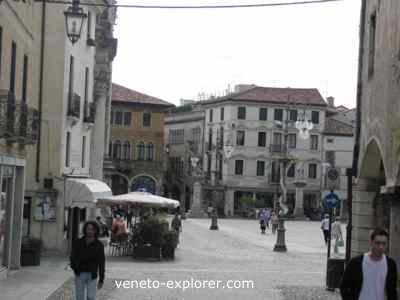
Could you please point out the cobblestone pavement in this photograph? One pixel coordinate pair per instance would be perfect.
(237, 251)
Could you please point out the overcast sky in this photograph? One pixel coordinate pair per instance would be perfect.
(173, 54)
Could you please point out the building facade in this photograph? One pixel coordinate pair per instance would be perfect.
(183, 137)
(136, 149)
(258, 126)
(19, 120)
(60, 189)
(377, 152)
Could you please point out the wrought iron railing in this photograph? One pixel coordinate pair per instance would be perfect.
(18, 122)
(89, 111)
(74, 105)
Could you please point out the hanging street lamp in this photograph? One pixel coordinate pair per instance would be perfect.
(74, 18)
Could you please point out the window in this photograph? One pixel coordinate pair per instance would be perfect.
(263, 115)
(262, 139)
(116, 153)
(89, 25)
(127, 118)
(220, 164)
(330, 157)
(126, 150)
(241, 114)
(209, 165)
(210, 138)
(240, 138)
(1, 46)
(372, 35)
(312, 171)
(314, 142)
(112, 117)
(277, 138)
(150, 151)
(118, 115)
(292, 137)
(290, 171)
(86, 84)
(293, 115)
(13, 66)
(278, 114)
(146, 119)
(196, 132)
(83, 151)
(275, 172)
(330, 141)
(24, 78)
(210, 117)
(260, 168)
(315, 117)
(71, 75)
(68, 149)
(239, 167)
(222, 113)
(221, 138)
(141, 151)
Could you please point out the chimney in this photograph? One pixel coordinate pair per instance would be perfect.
(243, 87)
(331, 101)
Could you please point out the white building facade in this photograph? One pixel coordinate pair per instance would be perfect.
(259, 126)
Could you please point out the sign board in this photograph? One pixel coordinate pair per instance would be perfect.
(45, 207)
(331, 200)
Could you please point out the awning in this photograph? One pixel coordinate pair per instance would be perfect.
(84, 192)
(140, 199)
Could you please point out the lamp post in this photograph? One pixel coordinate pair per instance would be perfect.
(74, 18)
(303, 125)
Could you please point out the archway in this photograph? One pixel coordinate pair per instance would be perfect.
(144, 183)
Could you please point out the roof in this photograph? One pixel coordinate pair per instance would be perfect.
(342, 108)
(308, 96)
(123, 94)
(335, 127)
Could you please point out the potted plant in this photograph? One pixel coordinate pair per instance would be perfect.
(170, 243)
(30, 251)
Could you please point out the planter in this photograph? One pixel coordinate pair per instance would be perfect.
(30, 252)
(168, 251)
(147, 251)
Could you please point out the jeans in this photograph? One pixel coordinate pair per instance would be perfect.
(84, 282)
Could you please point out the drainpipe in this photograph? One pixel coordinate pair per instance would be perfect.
(353, 171)
(42, 42)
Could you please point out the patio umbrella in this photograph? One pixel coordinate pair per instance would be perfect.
(140, 199)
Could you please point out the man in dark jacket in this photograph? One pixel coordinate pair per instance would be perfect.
(88, 261)
(373, 275)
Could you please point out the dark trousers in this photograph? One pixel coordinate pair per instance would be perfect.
(326, 235)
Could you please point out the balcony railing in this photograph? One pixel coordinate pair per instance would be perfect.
(89, 111)
(277, 148)
(74, 105)
(18, 122)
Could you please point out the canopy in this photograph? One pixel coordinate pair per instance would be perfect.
(138, 198)
(84, 192)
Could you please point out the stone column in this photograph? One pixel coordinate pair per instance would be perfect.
(197, 210)
(299, 205)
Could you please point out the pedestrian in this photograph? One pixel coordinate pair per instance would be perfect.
(263, 220)
(325, 228)
(103, 227)
(373, 275)
(337, 236)
(274, 222)
(267, 217)
(88, 262)
(129, 217)
(176, 223)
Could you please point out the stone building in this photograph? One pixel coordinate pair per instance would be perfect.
(258, 126)
(377, 151)
(19, 120)
(136, 148)
(183, 136)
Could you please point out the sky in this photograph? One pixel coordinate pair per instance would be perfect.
(182, 53)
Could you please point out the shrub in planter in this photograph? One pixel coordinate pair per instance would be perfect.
(170, 243)
(152, 231)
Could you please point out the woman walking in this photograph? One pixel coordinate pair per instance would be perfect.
(88, 262)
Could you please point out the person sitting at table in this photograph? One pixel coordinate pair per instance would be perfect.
(118, 226)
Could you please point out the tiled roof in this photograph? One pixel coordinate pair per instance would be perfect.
(123, 94)
(335, 127)
(276, 96)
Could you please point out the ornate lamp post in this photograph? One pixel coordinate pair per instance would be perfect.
(74, 18)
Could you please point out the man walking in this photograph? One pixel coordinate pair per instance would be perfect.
(373, 275)
(325, 228)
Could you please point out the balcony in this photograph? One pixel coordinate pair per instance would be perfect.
(74, 105)
(89, 111)
(277, 148)
(18, 122)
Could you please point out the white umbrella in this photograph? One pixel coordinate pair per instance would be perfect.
(138, 198)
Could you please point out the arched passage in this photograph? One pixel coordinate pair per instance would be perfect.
(143, 183)
(119, 184)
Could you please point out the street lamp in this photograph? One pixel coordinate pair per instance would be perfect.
(74, 18)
